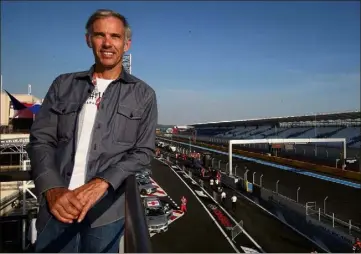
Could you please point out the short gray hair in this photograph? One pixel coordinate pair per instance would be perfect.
(104, 13)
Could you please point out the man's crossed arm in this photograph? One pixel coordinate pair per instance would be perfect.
(67, 205)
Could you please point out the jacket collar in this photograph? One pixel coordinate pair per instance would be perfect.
(124, 76)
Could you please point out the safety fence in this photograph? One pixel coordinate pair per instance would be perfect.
(136, 235)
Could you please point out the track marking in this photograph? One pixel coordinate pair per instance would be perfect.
(205, 208)
(159, 193)
(230, 216)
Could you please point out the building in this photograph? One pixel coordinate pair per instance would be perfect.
(330, 125)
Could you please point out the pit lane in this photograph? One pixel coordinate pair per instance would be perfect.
(311, 189)
(270, 233)
(195, 231)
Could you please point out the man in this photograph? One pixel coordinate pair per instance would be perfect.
(94, 129)
(223, 197)
(183, 204)
(356, 248)
(234, 202)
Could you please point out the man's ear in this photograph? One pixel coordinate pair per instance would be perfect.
(88, 40)
(127, 45)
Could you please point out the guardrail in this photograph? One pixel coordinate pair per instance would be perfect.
(136, 235)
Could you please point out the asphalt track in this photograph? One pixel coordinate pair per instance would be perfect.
(195, 231)
(341, 200)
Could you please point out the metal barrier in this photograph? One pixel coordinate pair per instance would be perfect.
(136, 235)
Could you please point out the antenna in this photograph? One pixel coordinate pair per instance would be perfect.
(29, 89)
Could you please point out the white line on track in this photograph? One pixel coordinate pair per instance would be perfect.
(205, 208)
(225, 211)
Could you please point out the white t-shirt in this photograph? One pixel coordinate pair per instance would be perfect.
(85, 130)
(223, 195)
(234, 199)
(211, 182)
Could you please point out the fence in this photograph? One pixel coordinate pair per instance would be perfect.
(310, 210)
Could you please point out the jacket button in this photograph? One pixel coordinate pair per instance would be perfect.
(68, 174)
(89, 90)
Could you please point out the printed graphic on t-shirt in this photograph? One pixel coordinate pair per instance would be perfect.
(94, 98)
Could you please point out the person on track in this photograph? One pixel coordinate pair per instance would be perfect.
(223, 197)
(203, 172)
(218, 175)
(183, 204)
(234, 202)
(211, 182)
(356, 248)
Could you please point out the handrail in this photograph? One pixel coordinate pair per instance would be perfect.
(136, 236)
(13, 176)
(136, 233)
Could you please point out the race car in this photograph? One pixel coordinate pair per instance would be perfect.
(146, 172)
(146, 186)
(157, 214)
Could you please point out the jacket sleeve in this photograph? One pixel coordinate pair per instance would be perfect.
(141, 155)
(43, 143)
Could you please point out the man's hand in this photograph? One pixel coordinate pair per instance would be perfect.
(89, 194)
(63, 204)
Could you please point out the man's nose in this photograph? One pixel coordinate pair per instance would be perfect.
(106, 42)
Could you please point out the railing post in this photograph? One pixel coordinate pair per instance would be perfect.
(245, 175)
(319, 214)
(235, 171)
(298, 189)
(227, 167)
(333, 220)
(260, 180)
(324, 205)
(212, 162)
(219, 164)
(349, 227)
(277, 186)
(253, 177)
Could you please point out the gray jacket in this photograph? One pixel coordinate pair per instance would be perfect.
(123, 139)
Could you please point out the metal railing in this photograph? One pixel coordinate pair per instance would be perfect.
(136, 234)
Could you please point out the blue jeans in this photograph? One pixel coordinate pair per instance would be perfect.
(79, 237)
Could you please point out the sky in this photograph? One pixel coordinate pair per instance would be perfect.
(207, 60)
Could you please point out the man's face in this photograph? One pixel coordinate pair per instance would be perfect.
(107, 40)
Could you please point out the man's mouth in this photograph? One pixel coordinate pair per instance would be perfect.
(107, 53)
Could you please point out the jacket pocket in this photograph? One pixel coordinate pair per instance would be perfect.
(125, 124)
(67, 115)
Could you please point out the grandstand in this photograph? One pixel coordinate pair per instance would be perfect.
(331, 125)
